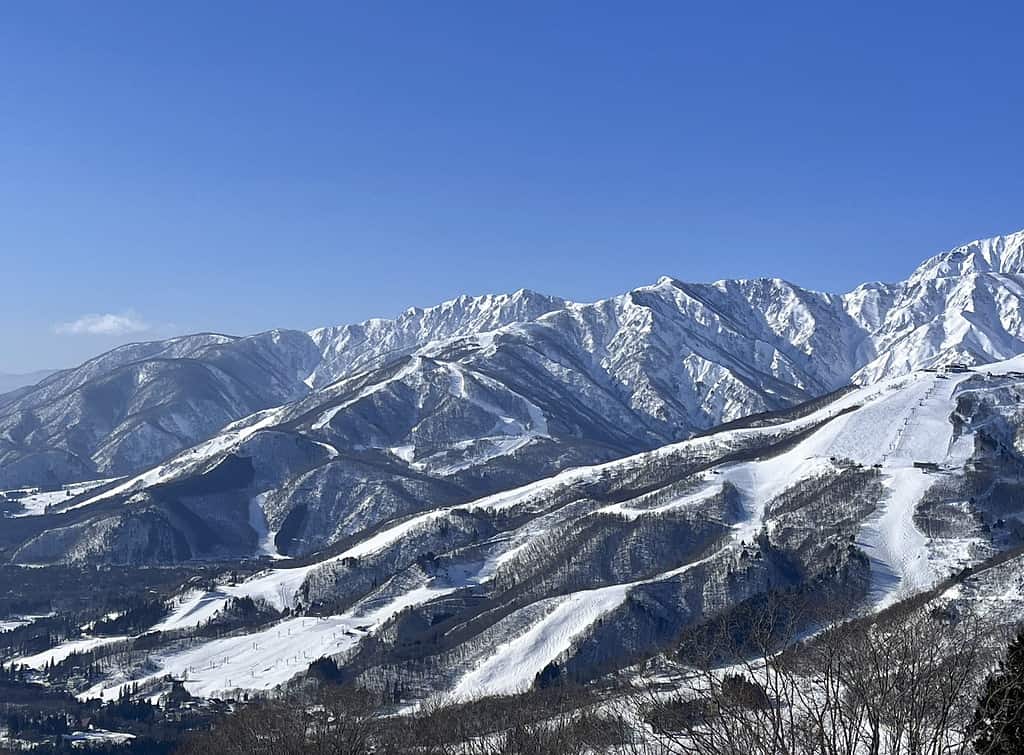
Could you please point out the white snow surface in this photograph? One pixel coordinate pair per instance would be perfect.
(515, 664)
(62, 651)
(34, 504)
(87, 739)
(896, 548)
(264, 659)
(191, 609)
(258, 521)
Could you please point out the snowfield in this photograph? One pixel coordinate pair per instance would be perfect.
(62, 651)
(262, 660)
(35, 503)
(514, 665)
(896, 548)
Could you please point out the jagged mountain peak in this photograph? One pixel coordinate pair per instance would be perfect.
(665, 359)
(959, 306)
(373, 342)
(999, 254)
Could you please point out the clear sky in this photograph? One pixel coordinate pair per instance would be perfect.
(236, 166)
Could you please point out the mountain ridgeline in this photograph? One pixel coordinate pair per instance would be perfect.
(644, 368)
(506, 491)
(345, 427)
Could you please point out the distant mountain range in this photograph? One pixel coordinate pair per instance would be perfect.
(10, 381)
(339, 429)
(489, 377)
(502, 489)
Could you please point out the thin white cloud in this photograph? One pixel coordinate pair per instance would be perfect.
(122, 324)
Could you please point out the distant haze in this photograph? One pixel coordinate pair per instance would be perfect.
(11, 381)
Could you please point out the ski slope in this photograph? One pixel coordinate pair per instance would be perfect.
(897, 550)
(909, 415)
(891, 425)
(35, 503)
(267, 658)
(514, 665)
(62, 651)
(917, 428)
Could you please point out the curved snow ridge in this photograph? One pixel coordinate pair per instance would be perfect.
(232, 436)
(332, 452)
(683, 502)
(191, 609)
(325, 419)
(384, 538)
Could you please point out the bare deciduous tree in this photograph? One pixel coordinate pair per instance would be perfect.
(902, 684)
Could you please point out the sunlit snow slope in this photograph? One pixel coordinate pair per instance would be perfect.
(595, 566)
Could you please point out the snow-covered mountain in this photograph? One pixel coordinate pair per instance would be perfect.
(657, 363)
(480, 394)
(869, 497)
(136, 405)
(347, 349)
(960, 306)
(497, 390)
(501, 491)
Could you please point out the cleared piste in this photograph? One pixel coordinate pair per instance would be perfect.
(894, 424)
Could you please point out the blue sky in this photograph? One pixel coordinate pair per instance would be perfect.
(226, 166)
